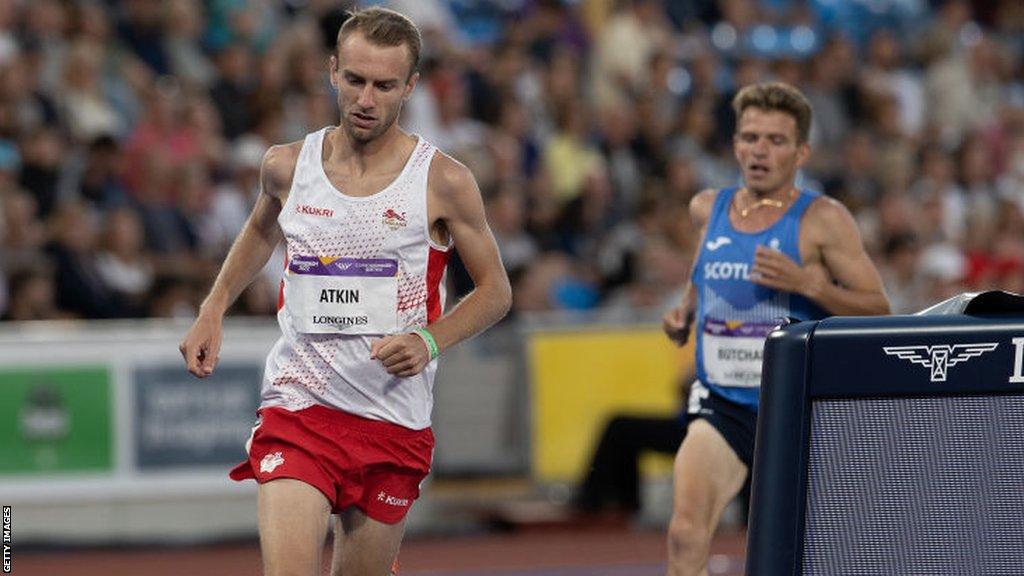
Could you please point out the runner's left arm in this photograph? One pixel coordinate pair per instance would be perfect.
(455, 199)
(462, 209)
(857, 289)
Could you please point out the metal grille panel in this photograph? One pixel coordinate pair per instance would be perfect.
(916, 487)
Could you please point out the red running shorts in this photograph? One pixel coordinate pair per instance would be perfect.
(373, 465)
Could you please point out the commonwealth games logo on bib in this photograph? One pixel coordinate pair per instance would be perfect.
(393, 219)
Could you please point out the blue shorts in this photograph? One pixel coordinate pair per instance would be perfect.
(736, 423)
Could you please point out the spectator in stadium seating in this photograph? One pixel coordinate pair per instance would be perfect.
(86, 109)
(943, 270)
(963, 90)
(121, 261)
(41, 154)
(163, 137)
(142, 28)
(855, 183)
(24, 235)
(942, 34)
(81, 288)
(506, 213)
(568, 157)
(31, 293)
(886, 73)
(233, 198)
(900, 256)
(188, 62)
(619, 146)
(1011, 183)
(172, 297)
(233, 92)
(455, 131)
(553, 282)
(623, 47)
(937, 191)
(94, 177)
(976, 168)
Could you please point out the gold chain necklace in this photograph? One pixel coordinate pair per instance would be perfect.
(762, 202)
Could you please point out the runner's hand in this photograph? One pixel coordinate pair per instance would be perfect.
(676, 324)
(201, 346)
(773, 269)
(403, 355)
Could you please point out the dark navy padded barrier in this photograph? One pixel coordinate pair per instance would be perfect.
(891, 446)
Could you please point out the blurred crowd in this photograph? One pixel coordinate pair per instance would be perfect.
(131, 135)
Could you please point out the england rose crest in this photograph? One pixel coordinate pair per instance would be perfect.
(394, 220)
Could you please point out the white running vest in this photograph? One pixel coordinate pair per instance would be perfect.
(356, 268)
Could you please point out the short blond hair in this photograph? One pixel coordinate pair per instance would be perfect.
(777, 96)
(385, 27)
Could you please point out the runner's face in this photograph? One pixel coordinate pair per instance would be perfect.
(767, 149)
(373, 82)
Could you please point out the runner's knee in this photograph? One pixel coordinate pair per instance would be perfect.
(291, 566)
(687, 537)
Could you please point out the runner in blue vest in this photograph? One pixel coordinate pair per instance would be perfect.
(768, 250)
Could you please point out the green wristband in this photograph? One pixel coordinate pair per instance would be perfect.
(428, 339)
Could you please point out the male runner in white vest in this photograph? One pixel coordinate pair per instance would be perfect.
(369, 215)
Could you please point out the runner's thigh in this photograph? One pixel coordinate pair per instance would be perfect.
(293, 525)
(364, 546)
(708, 474)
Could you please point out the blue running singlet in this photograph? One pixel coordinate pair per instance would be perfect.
(734, 315)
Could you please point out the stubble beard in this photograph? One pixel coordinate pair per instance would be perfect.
(362, 137)
(764, 188)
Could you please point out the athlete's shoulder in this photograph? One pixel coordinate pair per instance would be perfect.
(827, 211)
(279, 166)
(448, 176)
(701, 205)
(828, 219)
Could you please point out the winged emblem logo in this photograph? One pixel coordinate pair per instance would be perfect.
(941, 357)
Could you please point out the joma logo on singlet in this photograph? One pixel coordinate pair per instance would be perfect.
(314, 211)
(727, 271)
(335, 296)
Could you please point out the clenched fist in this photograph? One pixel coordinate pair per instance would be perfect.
(201, 346)
(676, 324)
(403, 355)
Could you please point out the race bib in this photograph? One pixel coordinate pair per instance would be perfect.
(343, 296)
(733, 351)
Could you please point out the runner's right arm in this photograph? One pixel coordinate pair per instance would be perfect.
(249, 253)
(677, 321)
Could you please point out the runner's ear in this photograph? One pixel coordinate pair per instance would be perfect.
(333, 71)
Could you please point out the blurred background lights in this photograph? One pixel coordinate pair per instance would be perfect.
(803, 39)
(679, 81)
(764, 38)
(970, 34)
(723, 36)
